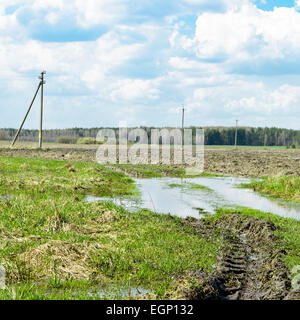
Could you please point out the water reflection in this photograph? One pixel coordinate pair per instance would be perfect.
(158, 196)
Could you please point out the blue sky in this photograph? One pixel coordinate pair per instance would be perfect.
(138, 61)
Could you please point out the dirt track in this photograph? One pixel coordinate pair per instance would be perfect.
(242, 162)
(249, 267)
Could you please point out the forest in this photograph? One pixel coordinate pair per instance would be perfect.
(246, 136)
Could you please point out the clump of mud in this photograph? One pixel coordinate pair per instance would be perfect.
(198, 285)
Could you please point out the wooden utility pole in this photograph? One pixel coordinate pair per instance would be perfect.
(41, 83)
(235, 140)
(42, 105)
(182, 138)
(182, 118)
(265, 137)
(21, 126)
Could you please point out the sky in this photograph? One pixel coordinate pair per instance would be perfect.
(138, 61)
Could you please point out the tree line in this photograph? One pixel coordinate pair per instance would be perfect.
(246, 136)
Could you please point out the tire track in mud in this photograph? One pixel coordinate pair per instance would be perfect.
(250, 265)
(232, 269)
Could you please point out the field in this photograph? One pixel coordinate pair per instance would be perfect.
(244, 161)
(56, 245)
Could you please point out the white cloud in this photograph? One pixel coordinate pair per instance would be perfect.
(95, 12)
(52, 17)
(280, 100)
(192, 65)
(89, 63)
(133, 89)
(225, 3)
(244, 34)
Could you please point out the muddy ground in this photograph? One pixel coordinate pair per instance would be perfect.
(250, 266)
(247, 162)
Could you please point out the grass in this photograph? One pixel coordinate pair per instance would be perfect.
(158, 171)
(53, 245)
(284, 187)
(151, 171)
(189, 185)
(289, 232)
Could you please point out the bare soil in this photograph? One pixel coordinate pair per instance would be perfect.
(249, 162)
(253, 162)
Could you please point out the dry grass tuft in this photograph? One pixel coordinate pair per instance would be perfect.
(59, 258)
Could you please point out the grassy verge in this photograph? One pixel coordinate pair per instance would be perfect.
(53, 245)
(150, 171)
(285, 187)
(187, 185)
(155, 171)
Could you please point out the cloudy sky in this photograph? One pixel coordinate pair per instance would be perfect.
(139, 60)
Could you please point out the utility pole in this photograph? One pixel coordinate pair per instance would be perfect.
(236, 126)
(41, 83)
(182, 139)
(42, 105)
(265, 137)
(182, 118)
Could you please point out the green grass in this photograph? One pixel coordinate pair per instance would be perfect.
(284, 187)
(151, 171)
(155, 171)
(53, 245)
(52, 177)
(189, 185)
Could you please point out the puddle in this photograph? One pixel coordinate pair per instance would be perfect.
(130, 203)
(108, 292)
(115, 293)
(158, 196)
(5, 197)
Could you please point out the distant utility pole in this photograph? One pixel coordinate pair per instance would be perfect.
(265, 137)
(182, 117)
(41, 83)
(182, 139)
(236, 126)
(42, 105)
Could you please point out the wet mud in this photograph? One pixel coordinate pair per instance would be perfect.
(250, 265)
